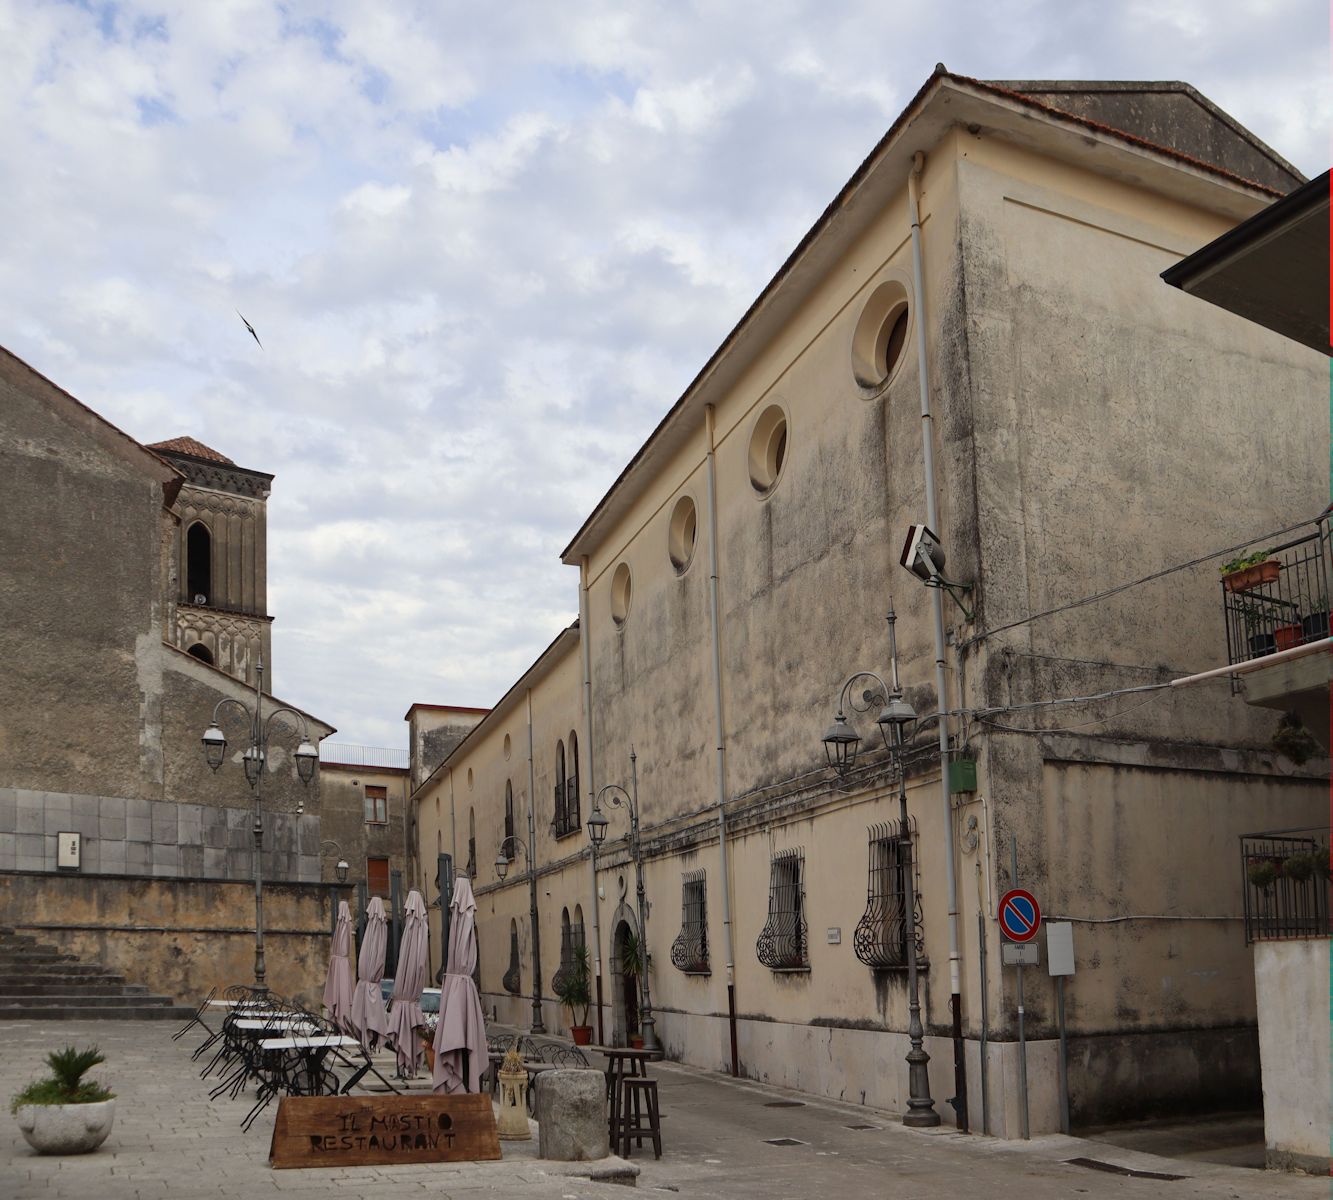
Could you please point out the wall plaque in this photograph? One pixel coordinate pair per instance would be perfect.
(360, 1131)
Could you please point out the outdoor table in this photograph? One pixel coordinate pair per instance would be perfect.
(291, 1024)
(313, 1050)
(623, 1061)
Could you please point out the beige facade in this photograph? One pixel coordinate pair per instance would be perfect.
(365, 822)
(1089, 427)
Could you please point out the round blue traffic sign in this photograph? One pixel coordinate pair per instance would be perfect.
(1020, 915)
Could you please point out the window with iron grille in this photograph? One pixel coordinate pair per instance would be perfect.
(689, 952)
(506, 849)
(881, 934)
(377, 805)
(783, 944)
(571, 938)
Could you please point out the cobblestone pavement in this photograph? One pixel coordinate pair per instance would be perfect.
(171, 1143)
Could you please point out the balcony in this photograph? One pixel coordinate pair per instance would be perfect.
(1286, 884)
(1279, 604)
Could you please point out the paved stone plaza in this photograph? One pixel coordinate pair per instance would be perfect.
(171, 1142)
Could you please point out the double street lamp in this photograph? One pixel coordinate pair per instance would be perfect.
(597, 823)
(502, 860)
(897, 720)
(254, 758)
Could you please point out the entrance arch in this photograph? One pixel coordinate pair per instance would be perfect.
(624, 989)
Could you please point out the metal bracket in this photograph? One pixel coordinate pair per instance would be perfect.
(954, 589)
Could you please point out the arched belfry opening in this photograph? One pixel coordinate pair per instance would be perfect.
(201, 652)
(199, 564)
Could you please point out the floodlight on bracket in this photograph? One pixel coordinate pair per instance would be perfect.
(924, 557)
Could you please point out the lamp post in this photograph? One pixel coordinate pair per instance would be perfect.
(840, 744)
(597, 824)
(254, 759)
(502, 861)
(342, 866)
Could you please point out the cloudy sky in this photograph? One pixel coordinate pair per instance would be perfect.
(486, 245)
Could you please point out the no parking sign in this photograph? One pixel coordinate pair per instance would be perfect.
(1020, 915)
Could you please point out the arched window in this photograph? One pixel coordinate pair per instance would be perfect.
(472, 843)
(199, 564)
(202, 653)
(577, 933)
(508, 850)
(572, 784)
(559, 818)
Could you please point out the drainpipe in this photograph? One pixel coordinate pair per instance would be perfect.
(585, 649)
(537, 1025)
(715, 620)
(937, 607)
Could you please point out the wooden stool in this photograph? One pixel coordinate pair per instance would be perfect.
(634, 1121)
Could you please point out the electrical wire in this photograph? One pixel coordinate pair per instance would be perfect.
(1124, 587)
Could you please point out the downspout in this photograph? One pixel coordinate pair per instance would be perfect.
(937, 608)
(585, 651)
(715, 620)
(537, 1025)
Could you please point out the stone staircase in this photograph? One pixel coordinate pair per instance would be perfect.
(40, 982)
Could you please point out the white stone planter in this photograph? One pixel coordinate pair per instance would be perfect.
(66, 1128)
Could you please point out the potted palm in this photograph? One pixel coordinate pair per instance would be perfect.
(632, 966)
(66, 1114)
(573, 990)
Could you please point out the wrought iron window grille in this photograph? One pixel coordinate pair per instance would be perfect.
(784, 943)
(881, 934)
(689, 952)
(472, 858)
(571, 936)
(511, 980)
(566, 808)
(509, 813)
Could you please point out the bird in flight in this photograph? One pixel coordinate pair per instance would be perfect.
(251, 328)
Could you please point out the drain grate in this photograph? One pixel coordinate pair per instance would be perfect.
(862, 1126)
(785, 1104)
(785, 1142)
(1111, 1169)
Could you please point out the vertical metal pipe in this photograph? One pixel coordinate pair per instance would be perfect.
(715, 621)
(941, 682)
(1064, 1053)
(257, 747)
(538, 1026)
(647, 1025)
(1022, 1034)
(985, 1021)
(585, 649)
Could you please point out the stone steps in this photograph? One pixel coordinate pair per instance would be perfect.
(40, 982)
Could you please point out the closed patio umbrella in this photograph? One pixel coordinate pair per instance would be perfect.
(408, 981)
(338, 986)
(460, 1037)
(370, 1021)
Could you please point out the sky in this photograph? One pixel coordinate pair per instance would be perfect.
(486, 247)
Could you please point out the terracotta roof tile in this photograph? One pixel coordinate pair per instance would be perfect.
(187, 445)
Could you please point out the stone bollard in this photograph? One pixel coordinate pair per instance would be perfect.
(571, 1115)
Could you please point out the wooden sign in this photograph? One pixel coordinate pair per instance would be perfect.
(362, 1131)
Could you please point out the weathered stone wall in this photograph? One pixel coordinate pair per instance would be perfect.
(342, 813)
(181, 937)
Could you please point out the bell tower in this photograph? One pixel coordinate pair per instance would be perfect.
(218, 606)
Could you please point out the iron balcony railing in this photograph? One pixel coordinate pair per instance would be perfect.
(1279, 604)
(1286, 884)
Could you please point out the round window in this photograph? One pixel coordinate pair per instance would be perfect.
(682, 533)
(768, 449)
(620, 594)
(879, 344)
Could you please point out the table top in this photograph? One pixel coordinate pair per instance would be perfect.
(626, 1052)
(308, 1043)
(279, 1023)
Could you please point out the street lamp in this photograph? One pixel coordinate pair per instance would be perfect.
(253, 758)
(597, 824)
(502, 861)
(840, 745)
(342, 866)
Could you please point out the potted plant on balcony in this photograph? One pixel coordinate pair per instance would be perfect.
(66, 1114)
(1250, 570)
(573, 990)
(1292, 740)
(632, 966)
(1262, 872)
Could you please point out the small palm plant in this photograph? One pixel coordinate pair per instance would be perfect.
(66, 1084)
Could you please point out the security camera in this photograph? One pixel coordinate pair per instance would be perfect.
(922, 554)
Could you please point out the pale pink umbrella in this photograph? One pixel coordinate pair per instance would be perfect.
(370, 1021)
(460, 1037)
(338, 986)
(408, 980)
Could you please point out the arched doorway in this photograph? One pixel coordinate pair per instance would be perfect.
(624, 988)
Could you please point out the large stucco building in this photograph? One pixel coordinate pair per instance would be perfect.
(1088, 427)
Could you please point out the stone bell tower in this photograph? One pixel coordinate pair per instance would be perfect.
(220, 586)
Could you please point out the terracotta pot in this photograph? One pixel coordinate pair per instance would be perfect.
(582, 1034)
(635, 1042)
(1248, 577)
(1287, 636)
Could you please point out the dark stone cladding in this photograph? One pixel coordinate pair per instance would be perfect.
(238, 480)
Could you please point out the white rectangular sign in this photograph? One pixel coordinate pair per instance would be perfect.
(1020, 954)
(1059, 947)
(834, 935)
(67, 851)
